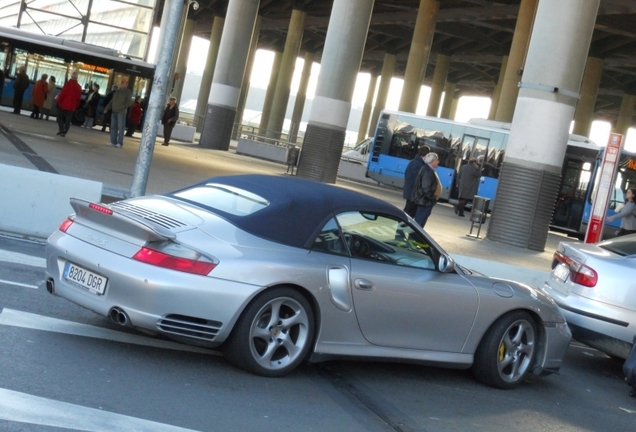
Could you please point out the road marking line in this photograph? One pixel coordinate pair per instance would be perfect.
(29, 409)
(18, 284)
(18, 258)
(14, 318)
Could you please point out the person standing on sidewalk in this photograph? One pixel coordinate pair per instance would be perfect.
(68, 101)
(468, 182)
(627, 214)
(92, 100)
(40, 89)
(409, 178)
(169, 119)
(19, 87)
(48, 100)
(118, 105)
(427, 189)
(108, 98)
(134, 116)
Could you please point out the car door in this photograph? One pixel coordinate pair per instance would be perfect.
(400, 297)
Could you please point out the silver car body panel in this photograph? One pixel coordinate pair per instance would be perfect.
(364, 308)
(609, 308)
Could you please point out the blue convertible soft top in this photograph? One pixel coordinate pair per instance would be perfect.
(297, 208)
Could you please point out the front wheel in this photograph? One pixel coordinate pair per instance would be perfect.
(505, 355)
(273, 335)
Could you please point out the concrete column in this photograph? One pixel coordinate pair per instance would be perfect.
(418, 54)
(624, 121)
(286, 73)
(509, 88)
(449, 97)
(388, 67)
(550, 85)
(245, 87)
(228, 74)
(497, 93)
(437, 87)
(208, 73)
(341, 58)
(301, 96)
(366, 110)
(454, 104)
(182, 60)
(271, 91)
(584, 113)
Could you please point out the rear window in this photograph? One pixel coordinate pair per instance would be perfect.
(225, 198)
(623, 246)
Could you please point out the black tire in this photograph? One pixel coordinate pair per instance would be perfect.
(273, 335)
(506, 353)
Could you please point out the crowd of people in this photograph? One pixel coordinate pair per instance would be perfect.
(122, 113)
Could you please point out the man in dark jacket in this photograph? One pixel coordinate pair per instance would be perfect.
(19, 87)
(169, 119)
(409, 178)
(108, 98)
(468, 182)
(427, 189)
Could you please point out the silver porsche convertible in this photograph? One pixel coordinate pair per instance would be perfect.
(276, 270)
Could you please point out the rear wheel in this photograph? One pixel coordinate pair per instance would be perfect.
(506, 353)
(273, 335)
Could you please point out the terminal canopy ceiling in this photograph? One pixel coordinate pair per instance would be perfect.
(475, 33)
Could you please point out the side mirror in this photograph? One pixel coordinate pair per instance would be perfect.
(446, 264)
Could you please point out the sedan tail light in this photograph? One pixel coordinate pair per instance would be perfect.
(175, 257)
(579, 273)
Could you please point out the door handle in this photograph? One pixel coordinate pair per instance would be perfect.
(363, 284)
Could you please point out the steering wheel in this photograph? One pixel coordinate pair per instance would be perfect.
(357, 246)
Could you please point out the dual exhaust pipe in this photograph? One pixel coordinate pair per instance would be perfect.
(116, 314)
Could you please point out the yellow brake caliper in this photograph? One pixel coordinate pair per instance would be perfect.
(502, 351)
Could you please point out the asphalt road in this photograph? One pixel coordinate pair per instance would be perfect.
(66, 368)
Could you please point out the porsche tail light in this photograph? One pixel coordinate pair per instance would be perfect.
(65, 225)
(175, 257)
(579, 273)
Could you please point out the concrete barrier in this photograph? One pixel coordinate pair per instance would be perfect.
(180, 132)
(34, 203)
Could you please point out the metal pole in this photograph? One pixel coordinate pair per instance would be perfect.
(157, 99)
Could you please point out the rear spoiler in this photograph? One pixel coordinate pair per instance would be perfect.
(127, 223)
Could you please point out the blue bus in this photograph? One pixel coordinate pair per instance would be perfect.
(579, 180)
(399, 135)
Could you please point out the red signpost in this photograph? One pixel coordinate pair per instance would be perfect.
(604, 189)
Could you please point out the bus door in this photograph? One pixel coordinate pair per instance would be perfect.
(487, 183)
(572, 195)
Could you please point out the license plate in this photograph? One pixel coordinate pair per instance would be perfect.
(86, 279)
(561, 272)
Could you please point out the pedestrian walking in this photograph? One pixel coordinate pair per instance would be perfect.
(67, 102)
(40, 89)
(118, 105)
(468, 182)
(134, 116)
(169, 119)
(90, 107)
(19, 87)
(48, 99)
(427, 189)
(410, 174)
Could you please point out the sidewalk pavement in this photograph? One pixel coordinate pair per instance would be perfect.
(83, 154)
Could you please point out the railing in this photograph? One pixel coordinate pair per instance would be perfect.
(255, 133)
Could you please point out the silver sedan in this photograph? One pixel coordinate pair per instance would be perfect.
(276, 270)
(594, 285)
